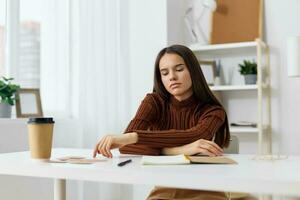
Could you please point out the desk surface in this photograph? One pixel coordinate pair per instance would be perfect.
(257, 176)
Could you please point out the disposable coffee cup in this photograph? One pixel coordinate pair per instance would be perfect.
(40, 134)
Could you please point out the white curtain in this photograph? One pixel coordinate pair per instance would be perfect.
(99, 77)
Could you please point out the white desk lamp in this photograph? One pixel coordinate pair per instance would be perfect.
(293, 56)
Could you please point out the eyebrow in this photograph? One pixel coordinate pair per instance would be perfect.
(172, 67)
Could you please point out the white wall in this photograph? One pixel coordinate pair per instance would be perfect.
(175, 13)
(280, 23)
(147, 35)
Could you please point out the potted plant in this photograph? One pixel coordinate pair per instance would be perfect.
(249, 70)
(7, 96)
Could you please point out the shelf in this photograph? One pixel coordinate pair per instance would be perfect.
(200, 47)
(233, 87)
(235, 129)
(243, 130)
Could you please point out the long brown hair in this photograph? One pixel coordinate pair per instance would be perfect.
(199, 85)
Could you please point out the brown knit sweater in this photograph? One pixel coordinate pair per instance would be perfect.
(172, 123)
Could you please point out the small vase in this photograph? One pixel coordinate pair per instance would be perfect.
(5, 110)
(217, 80)
(250, 79)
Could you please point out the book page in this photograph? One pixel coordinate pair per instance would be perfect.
(165, 160)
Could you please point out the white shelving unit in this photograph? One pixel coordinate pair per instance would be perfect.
(233, 87)
(199, 47)
(261, 89)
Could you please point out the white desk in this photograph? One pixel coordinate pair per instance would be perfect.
(270, 177)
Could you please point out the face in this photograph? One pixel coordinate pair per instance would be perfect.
(175, 76)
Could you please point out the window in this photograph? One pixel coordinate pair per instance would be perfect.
(44, 64)
(28, 72)
(38, 45)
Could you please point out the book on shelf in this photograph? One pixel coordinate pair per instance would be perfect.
(184, 159)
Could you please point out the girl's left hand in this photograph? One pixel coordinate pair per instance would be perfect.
(202, 146)
(109, 142)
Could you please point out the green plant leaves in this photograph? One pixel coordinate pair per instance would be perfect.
(7, 79)
(248, 67)
(8, 90)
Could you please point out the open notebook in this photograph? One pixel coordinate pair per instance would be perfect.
(183, 159)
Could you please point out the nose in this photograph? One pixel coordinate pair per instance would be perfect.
(172, 76)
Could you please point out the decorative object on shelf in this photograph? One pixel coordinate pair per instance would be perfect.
(293, 58)
(237, 21)
(7, 98)
(208, 5)
(249, 70)
(218, 73)
(209, 71)
(28, 103)
(244, 124)
(195, 20)
(189, 23)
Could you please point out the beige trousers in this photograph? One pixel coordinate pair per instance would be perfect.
(163, 193)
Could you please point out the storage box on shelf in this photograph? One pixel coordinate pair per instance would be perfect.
(231, 55)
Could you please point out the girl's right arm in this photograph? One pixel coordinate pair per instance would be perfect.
(143, 120)
(145, 117)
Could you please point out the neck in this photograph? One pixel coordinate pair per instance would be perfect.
(184, 97)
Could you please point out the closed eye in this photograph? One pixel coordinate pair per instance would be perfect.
(179, 68)
(164, 72)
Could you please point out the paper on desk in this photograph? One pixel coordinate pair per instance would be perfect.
(84, 161)
(70, 157)
(77, 160)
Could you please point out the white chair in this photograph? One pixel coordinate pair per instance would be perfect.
(233, 147)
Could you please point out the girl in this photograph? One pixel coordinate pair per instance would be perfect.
(181, 116)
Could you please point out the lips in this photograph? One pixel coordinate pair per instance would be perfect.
(174, 85)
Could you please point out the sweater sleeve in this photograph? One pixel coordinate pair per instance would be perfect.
(208, 124)
(144, 118)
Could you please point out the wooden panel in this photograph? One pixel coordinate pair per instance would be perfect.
(236, 21)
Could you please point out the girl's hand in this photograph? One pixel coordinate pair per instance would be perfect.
(109, 142)
(201, 146)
